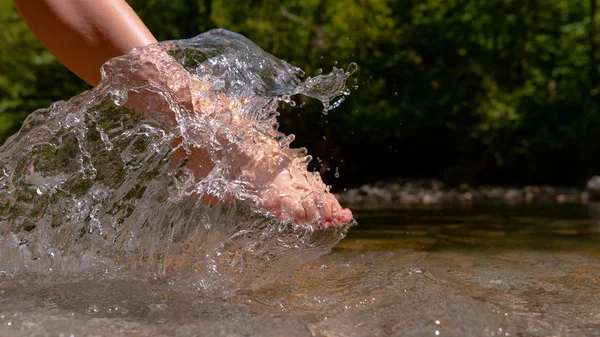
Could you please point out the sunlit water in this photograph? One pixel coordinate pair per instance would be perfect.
(492, 272)
(163, 169)
(105, 229)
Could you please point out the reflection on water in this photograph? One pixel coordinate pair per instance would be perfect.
(482, 272)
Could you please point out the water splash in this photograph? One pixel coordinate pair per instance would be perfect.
(330, 89)
(154, 171)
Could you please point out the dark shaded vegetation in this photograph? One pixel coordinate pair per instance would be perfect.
(471, 91)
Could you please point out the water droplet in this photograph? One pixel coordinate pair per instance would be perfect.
(352, 67)
(116, 310)
(336, 103)
(335, 63)
(337, 172)
(324, 138)
(286, 141)
(287, 99)
(355, 87)
(92, 309)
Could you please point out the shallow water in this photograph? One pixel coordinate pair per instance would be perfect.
(450, 272)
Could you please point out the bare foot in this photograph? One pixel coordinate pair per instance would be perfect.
(284, 186)
(299, 196)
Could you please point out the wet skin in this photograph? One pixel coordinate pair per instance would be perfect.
(279, 178)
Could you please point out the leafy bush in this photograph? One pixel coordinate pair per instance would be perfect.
(464, 90)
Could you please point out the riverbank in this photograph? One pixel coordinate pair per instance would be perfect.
(432, 192)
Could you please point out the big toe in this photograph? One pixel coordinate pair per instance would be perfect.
(331, 213)
(345, 215)
(339, 215)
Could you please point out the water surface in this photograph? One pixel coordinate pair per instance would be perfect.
(450, 272)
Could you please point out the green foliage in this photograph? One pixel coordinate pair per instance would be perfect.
(466, 90)
(30, 77)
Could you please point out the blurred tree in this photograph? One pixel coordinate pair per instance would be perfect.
(30, 77)
(499, 91)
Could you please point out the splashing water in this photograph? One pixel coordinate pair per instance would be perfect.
(163, 169)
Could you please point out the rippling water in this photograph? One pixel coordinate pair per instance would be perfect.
(491, 272)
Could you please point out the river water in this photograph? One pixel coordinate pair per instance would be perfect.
(153, 205)
(448, 272)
